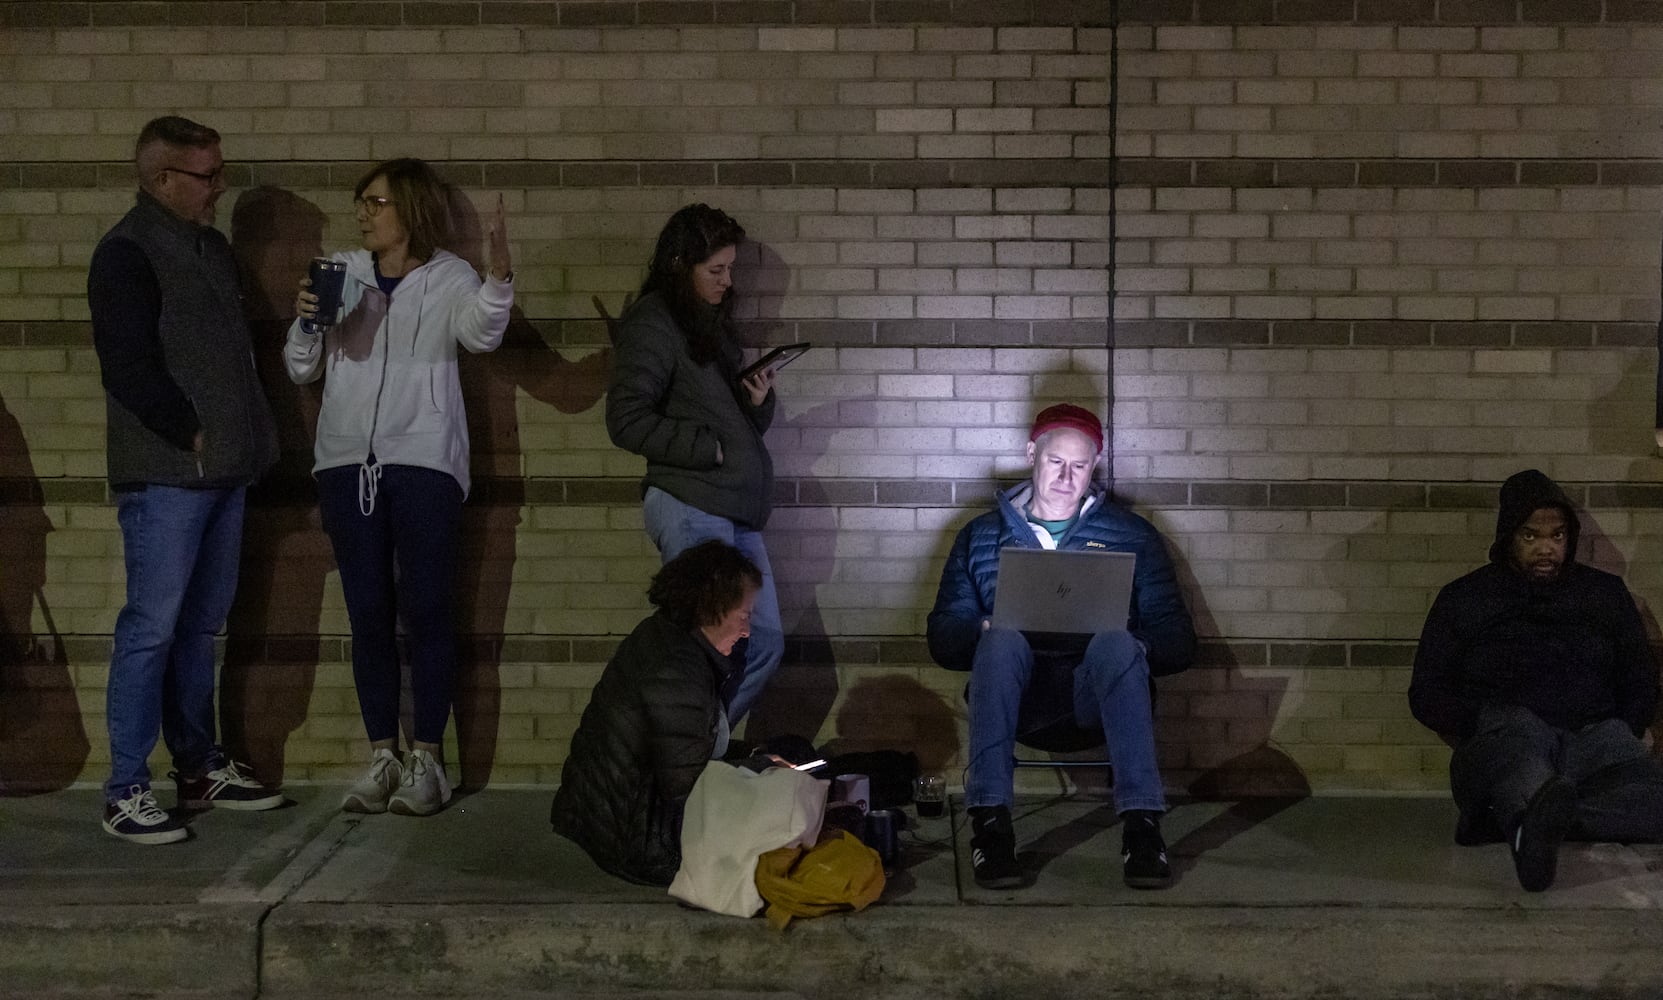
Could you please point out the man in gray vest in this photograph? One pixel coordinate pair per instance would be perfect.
(189, 430)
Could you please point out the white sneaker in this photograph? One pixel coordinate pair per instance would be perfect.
(370, 793)
(425, 789)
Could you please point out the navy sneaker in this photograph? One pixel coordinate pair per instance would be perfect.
(225, 786)
(993, 848)
(1143, 851)
(136, 818)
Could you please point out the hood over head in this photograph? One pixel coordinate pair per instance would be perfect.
(1523, 494)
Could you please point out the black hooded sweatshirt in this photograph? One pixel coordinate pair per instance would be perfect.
(1571, 649)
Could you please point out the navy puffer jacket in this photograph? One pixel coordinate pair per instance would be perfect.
(1158, 617)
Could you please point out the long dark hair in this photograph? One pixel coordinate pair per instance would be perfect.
(703, 584)
(691, 236)
(420, 197)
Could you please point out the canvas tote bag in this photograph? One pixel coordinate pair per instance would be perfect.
(732, 817)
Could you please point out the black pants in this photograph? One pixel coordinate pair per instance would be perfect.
(398, 564)
(1513, 752)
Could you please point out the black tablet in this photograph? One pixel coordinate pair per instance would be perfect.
(777, 358)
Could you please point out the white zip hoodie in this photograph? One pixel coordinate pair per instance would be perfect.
(391, 388)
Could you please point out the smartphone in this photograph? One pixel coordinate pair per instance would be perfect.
(777, 358)
(810, 765)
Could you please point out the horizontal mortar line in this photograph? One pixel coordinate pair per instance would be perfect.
(594, 14)
(1088, 173)
(801, 649)
(296, 489)
(537, 334)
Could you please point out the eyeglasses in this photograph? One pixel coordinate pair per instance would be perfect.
(372, 204)
(212, 178)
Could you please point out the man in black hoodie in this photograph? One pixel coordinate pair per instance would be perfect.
(1536, 670)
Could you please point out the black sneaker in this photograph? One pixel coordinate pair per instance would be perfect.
(135, 817)
(1142, 851)
(225, 786)
(1535, 843)
(993, 848)
(1476, 830)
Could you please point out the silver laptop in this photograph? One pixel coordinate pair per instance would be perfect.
(1044, 590)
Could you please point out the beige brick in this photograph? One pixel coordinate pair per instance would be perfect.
(1001, 66)
(796, 39)
(91, 42)
(1438, 39)
(58, 68)
(1178, 37)
(875, 39)
(494, 40)
(956, 39)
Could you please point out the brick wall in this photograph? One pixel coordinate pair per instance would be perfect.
(1366, 269)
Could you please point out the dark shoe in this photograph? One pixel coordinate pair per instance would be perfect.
(1541, 829)
(1142, 851)
(136, 818)
(1476, 830)
(993, 848)
(225, 786)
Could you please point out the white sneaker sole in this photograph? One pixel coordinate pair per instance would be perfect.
(413, 807)
(148, 839)
(242, 805)
(354, 803)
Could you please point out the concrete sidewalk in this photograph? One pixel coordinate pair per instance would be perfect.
(1323, 897)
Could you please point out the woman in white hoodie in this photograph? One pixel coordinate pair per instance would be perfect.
(392, 457)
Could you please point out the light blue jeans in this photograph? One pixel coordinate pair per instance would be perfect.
(1111, 688)
(181, 548)
(675, 527)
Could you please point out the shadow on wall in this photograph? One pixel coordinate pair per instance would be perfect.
(800, 696)
(1214, 726)
(491, 384)
(897, 712)
(1620, 423)
(272, 652)
(1219, 732)
(43, 742)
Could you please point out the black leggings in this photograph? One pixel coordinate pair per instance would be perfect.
(397, 562)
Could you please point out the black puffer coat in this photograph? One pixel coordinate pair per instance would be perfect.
(1573, 649)
(650, 727)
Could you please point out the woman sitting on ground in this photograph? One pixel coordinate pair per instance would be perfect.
(657, 716)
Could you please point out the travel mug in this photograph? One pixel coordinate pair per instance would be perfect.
(883, 829)
(328, 278)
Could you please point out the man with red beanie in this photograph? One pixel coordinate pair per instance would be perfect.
(1101, 679)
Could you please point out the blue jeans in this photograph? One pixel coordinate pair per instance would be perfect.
(1111, 688)
(181, 549)
(398, 563)
(675, 527)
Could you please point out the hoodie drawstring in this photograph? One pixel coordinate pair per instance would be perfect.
(369, 483)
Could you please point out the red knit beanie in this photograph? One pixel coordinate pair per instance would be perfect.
(1067, 415)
